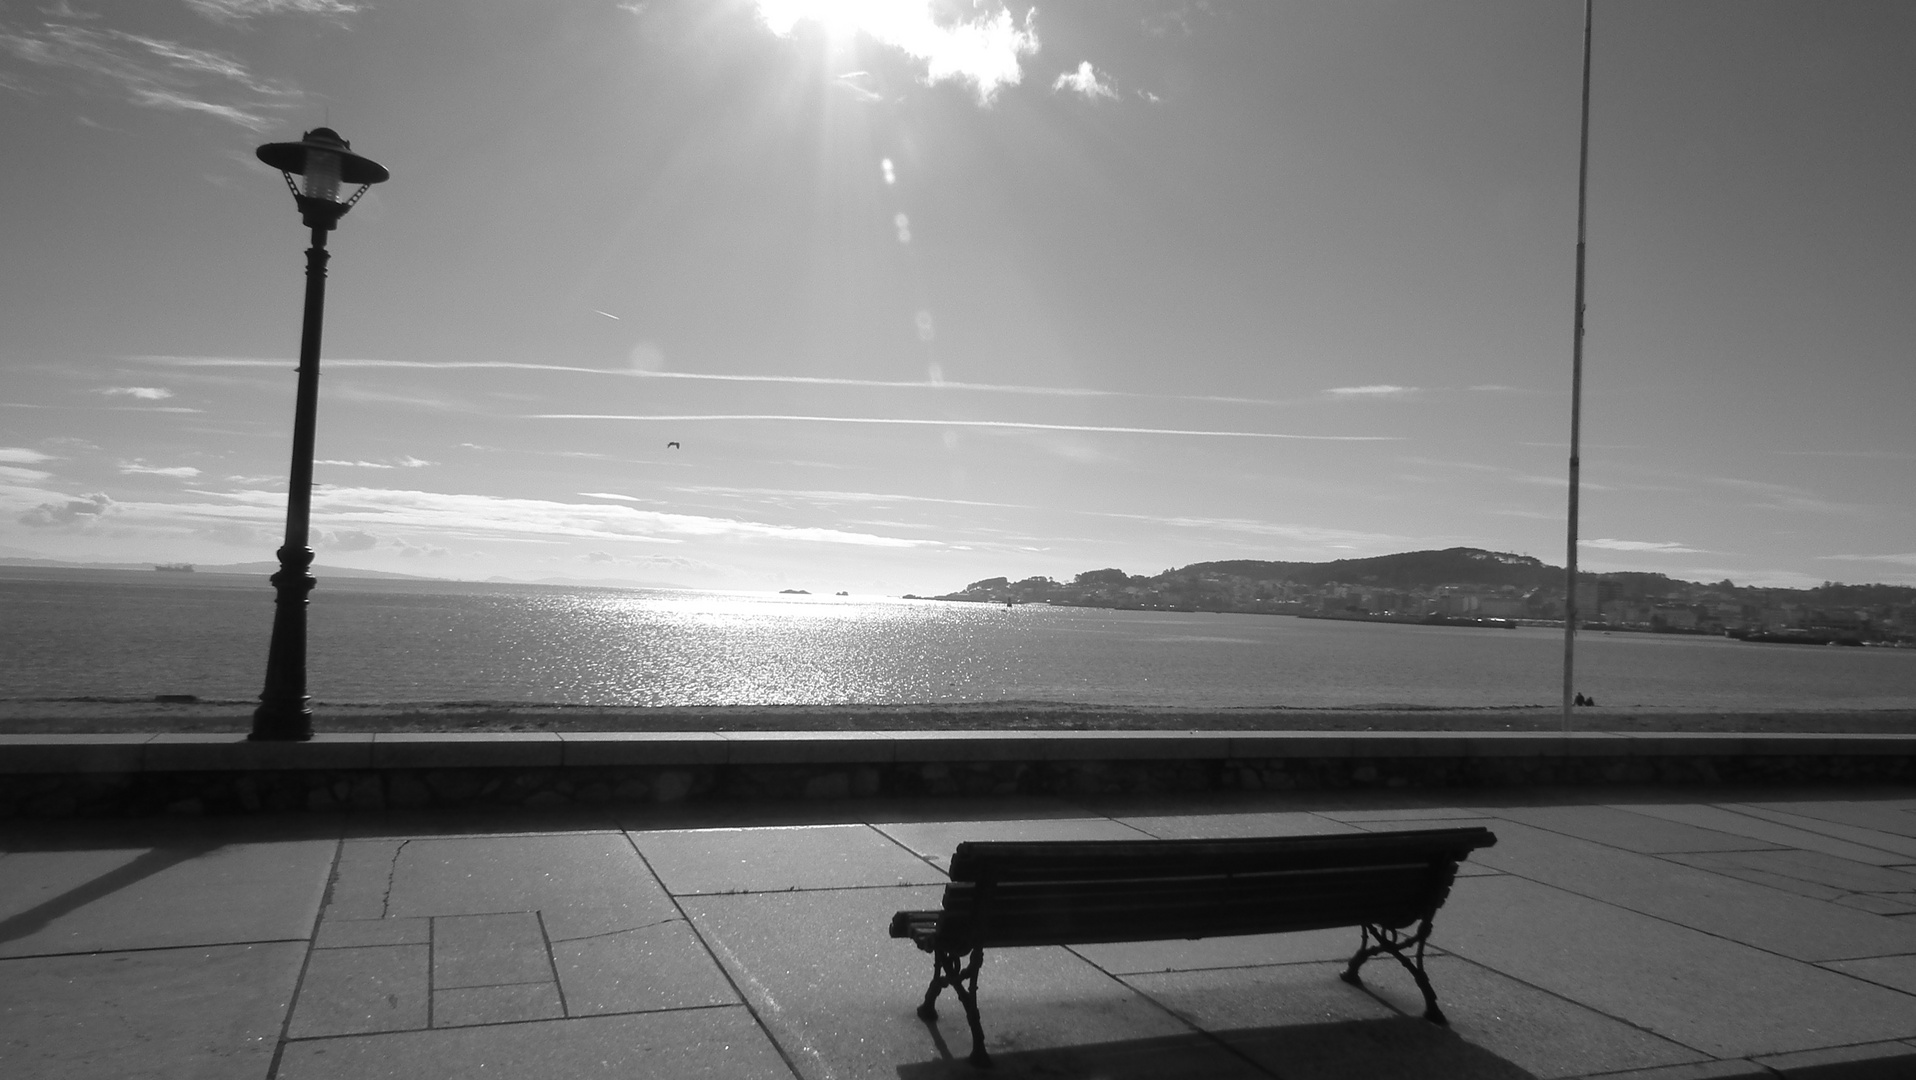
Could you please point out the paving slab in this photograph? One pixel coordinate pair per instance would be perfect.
(937, 840)
(1541, 1033)
(166, 1014)
(1896, 972)
(1893, 815)
(1266, 823)
(193, 894)
(362, 879)
(1894, 843)
(1877, 1061)
(1785, 923)
(1721, 863)
(654, 967)
(1720, 819)
(353, 933)
(688, 1044)
(1740, 1069)
(582, 883)
(1302, 1022)
(1813, 867)
(353, 991)
(696, 861)
(1620, 828)
(496, 1004)
(1698, 990)
(489, 950)
(841, 996)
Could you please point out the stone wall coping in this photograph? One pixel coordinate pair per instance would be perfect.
(179, 752)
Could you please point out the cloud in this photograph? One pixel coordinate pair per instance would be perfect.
(1010, 424)
(351, 540)
(80, 511)
(154, 72)
(406, 462)
(1084, 81)
(25, 476)
(420, 551)
(1906, 559)
(141, 468)
(20, 455)
(241, 10)
(1378, 390)
(1666, 547)
(144, 393)
(487, 517)
(985, 51)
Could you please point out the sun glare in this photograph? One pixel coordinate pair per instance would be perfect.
(985, 50)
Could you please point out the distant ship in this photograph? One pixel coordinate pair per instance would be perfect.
(175, 567)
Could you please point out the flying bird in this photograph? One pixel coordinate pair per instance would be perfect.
(671, 446)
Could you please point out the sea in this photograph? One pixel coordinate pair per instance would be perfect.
(137, 634)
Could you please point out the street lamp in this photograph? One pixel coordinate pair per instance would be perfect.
(324, 162)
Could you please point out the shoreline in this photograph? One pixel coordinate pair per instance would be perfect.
(119, 715)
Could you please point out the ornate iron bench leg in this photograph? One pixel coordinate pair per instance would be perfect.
(940, 962)
(1395, 943)
(964, 983)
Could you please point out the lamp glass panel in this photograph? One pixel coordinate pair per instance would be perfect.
(322, 175)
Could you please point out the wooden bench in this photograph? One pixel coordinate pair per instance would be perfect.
(1065, 892)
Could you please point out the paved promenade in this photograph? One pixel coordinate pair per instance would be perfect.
(1670, 934)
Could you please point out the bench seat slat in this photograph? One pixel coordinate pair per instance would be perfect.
(1081, 860)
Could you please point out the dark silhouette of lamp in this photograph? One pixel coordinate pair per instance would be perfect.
(325, 163)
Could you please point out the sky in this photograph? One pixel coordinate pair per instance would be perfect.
(929, 292)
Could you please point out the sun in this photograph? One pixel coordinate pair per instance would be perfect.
(840, 19)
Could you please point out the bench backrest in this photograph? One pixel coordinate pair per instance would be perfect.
(1065, 892)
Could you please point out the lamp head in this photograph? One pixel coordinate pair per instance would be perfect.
(323, 161)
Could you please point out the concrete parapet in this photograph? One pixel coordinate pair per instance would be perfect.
(57, 775)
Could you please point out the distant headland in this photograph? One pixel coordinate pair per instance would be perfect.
(1479, 587)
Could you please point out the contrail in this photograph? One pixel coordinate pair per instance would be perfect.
(634, 373)
(969, 423)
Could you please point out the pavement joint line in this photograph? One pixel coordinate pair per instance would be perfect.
(507, 1023)
(926, 859)
(744, 999)
(1744, 810)
(609, 933)
(432, 946)
(792, 889)
(305, 962)
(552, 964)
(152, 948)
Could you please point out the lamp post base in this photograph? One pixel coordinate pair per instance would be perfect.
(284, 714)
(275, 722)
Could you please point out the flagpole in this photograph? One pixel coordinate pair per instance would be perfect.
(1576, 397)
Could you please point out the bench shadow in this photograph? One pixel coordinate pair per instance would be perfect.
(1397, 1048)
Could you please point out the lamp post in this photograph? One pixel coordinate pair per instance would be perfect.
(323, 161)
